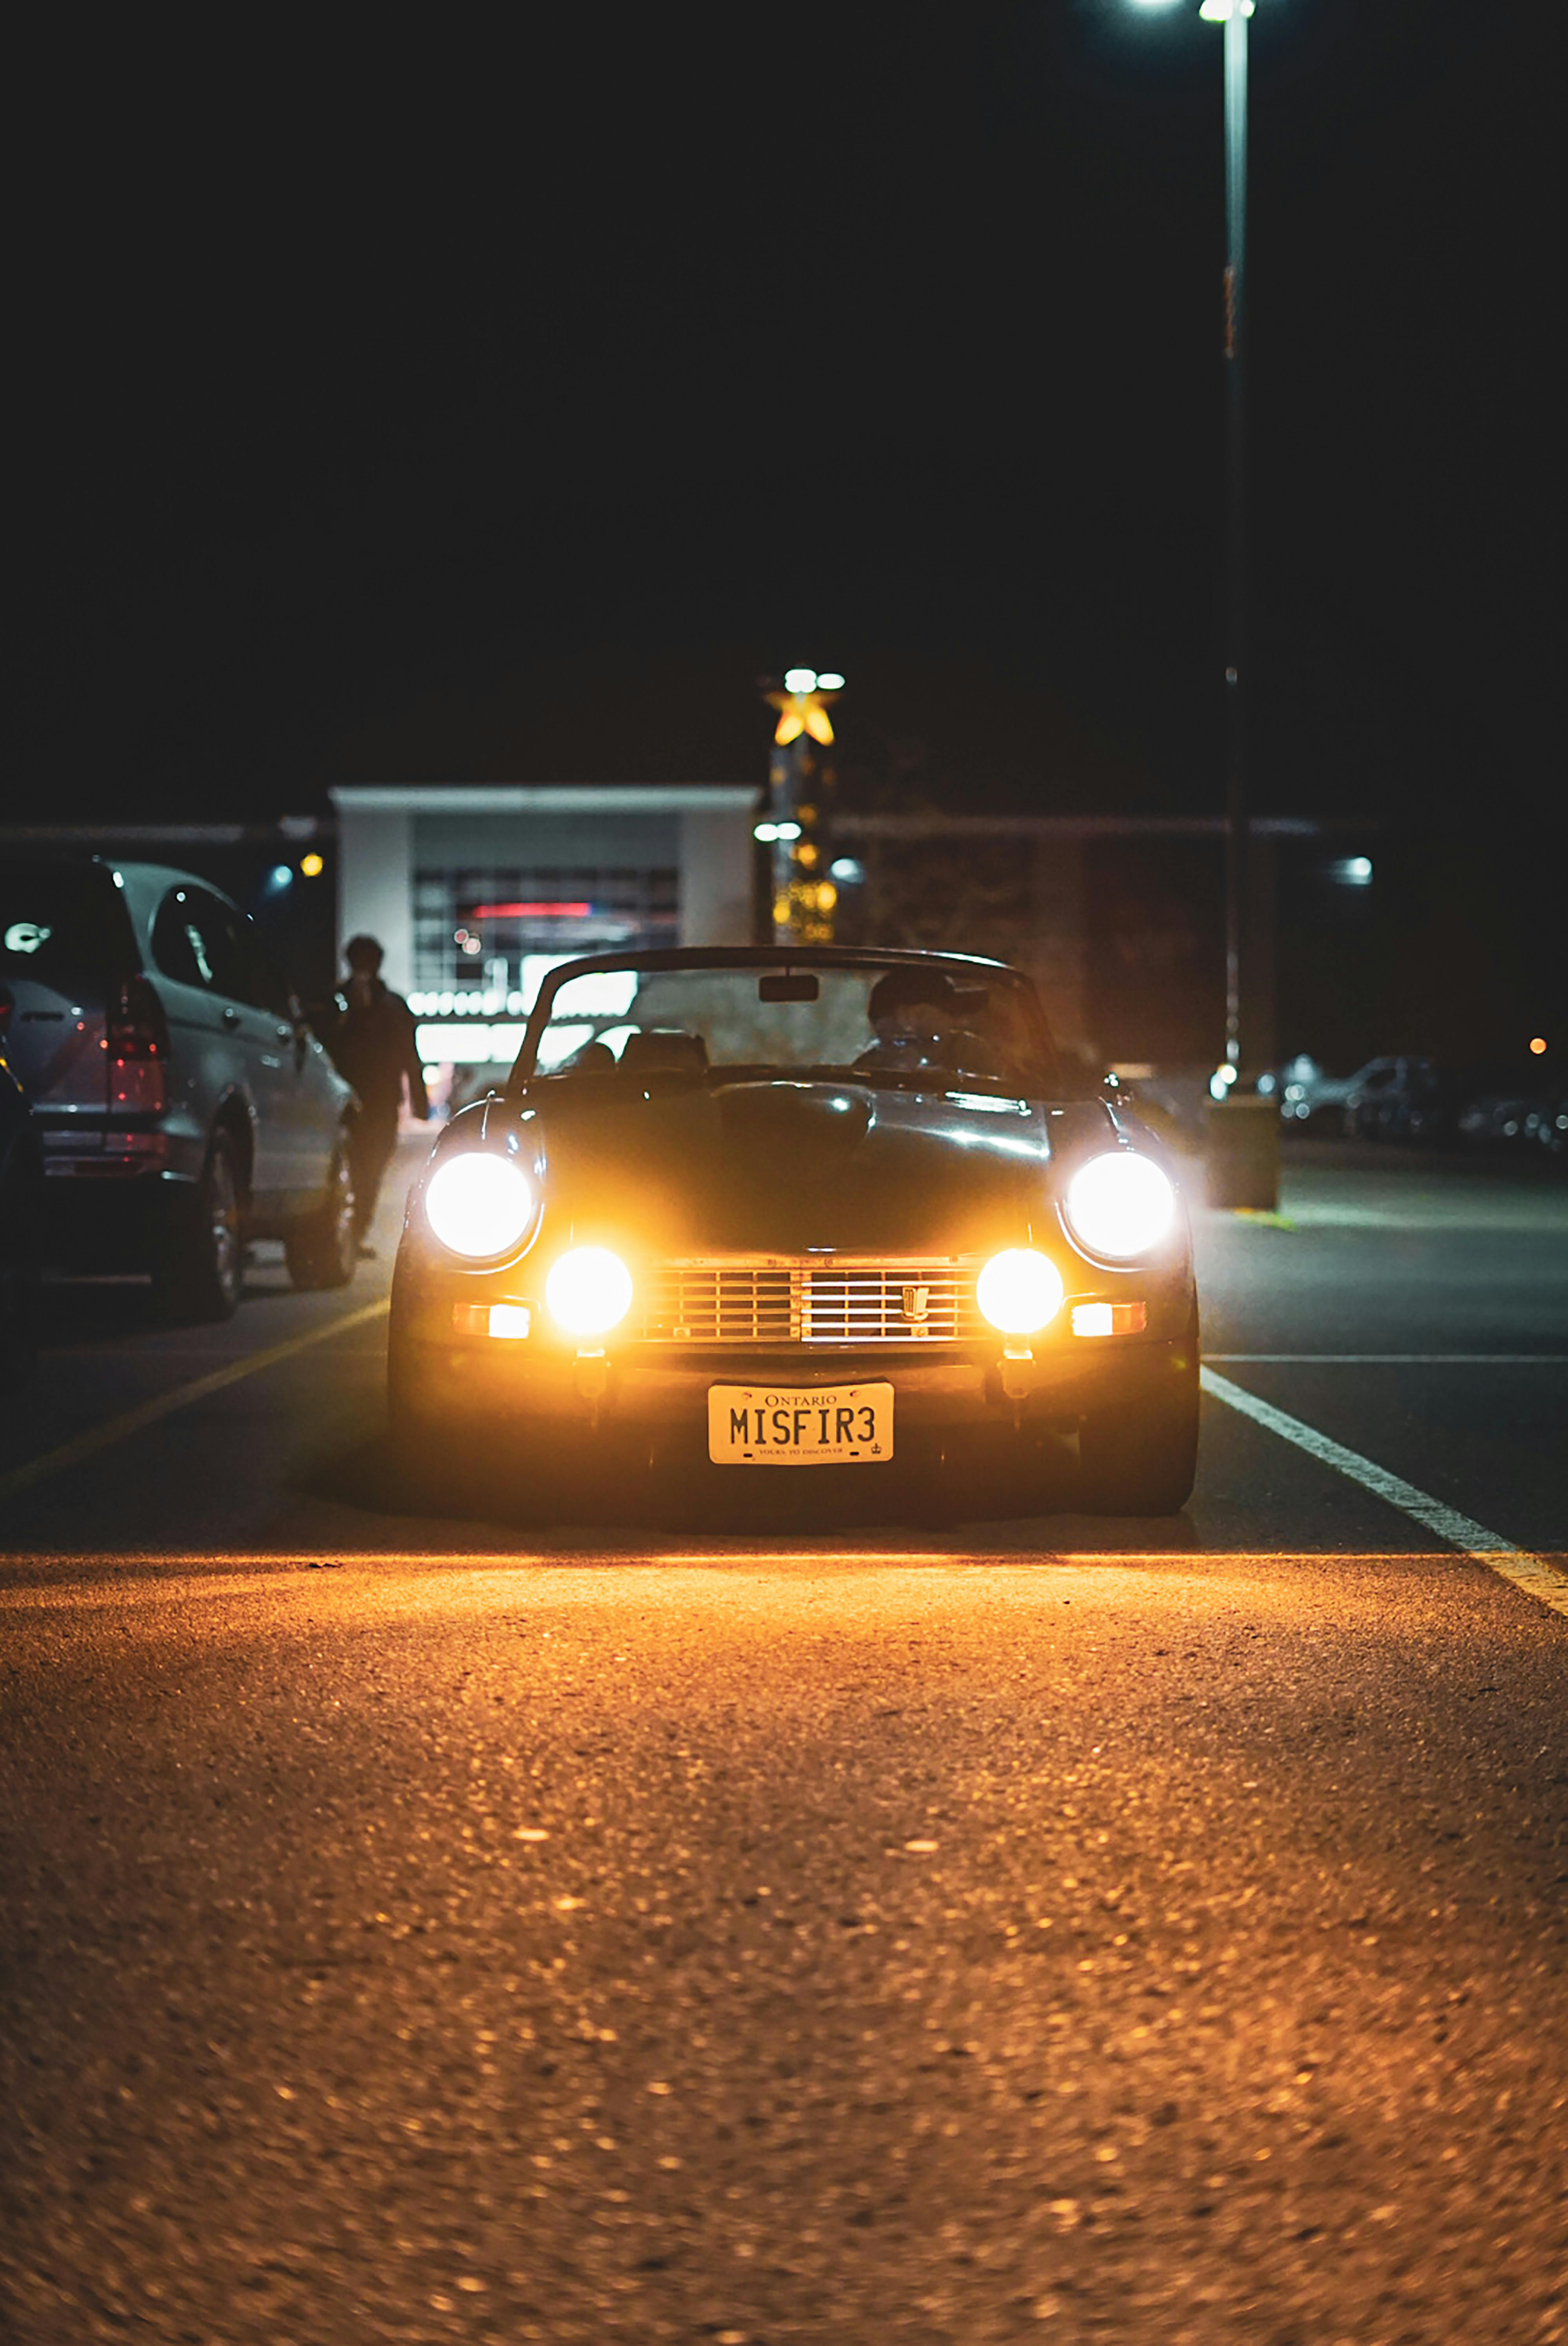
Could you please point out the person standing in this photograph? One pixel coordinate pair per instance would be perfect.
(373, 1048)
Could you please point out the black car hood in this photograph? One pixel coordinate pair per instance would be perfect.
(781, 1167)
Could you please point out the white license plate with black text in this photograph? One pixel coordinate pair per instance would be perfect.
(824, 1425)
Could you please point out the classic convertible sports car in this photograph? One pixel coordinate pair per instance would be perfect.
(784, 1210)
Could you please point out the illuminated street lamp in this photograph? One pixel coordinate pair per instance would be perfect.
(799, 786)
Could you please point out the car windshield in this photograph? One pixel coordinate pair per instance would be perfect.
(899, 1022)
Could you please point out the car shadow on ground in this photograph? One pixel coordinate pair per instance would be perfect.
(84, 1308)
(622, 1492)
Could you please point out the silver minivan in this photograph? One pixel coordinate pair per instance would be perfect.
(182, 1105)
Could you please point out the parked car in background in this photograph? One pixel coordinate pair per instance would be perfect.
(181, 1105)
(1397, 1099)
(1494, 1115)
(21, 1224)
(1500, 1115)
(1413, 1099)
(1374, 1103)
(1308, 1094)
(1547, 1126)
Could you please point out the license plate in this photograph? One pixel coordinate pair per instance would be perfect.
(825, 1426)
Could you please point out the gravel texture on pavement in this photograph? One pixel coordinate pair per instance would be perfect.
(840, 1945)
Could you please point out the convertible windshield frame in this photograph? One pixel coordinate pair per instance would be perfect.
(761, 959)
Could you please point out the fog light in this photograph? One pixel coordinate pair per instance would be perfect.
(589, 1291)
(1019, 1291)
(1109, 1319)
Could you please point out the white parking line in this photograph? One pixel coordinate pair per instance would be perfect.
(1527, 1572)
(148, 1412)
(1406, 1359)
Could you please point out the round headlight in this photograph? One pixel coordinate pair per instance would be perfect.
(479, 1204)
(589, 1291)
(1019, 1291)
(1120, 1204)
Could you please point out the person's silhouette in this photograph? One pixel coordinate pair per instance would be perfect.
(373, 1046)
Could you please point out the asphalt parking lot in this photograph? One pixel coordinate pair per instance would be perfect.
(599, 1915)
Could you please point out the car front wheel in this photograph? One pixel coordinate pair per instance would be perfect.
(1142, 1459)
(425, 1456)
(199, 1268)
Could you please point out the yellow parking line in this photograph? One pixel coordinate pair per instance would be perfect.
(148, 1412)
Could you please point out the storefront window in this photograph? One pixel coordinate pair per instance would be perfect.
(475, 931)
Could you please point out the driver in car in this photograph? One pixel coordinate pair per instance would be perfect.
(919, 1018)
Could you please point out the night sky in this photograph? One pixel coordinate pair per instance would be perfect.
(498, 398)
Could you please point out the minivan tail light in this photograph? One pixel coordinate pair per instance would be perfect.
(137, 1028)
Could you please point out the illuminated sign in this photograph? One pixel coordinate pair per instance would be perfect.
(576, 910)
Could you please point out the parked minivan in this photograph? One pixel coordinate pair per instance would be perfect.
(182, 1105)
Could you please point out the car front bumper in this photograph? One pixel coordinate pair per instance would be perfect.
(650, 1392)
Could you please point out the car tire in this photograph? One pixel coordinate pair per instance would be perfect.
(323, 1248)
(421, 1451)
(1143, 1460)
(21, 1252)
(198, 1271)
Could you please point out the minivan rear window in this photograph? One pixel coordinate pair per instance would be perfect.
(197, 941)
(64, 926)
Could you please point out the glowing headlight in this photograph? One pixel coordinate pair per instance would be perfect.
(479, 1204)
(1019, 1291)
(589, 1291)
(1120, 1204)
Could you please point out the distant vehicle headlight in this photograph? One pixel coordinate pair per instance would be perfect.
(479, 1204)
(1120, 1204)
(589, 1291)
(1019, 1291)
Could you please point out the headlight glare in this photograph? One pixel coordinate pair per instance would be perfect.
(1120, 1204)
(1019, 1291)
(478, 1203)
(589, 1291)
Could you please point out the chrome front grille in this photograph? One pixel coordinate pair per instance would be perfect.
(880, 1306)
(720, 1303)
(838, 1299)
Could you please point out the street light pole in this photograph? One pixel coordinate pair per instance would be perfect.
(1234, 15)
(1244, 1129)
(1244, 1154)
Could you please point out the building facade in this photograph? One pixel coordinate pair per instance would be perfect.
(475, 891)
